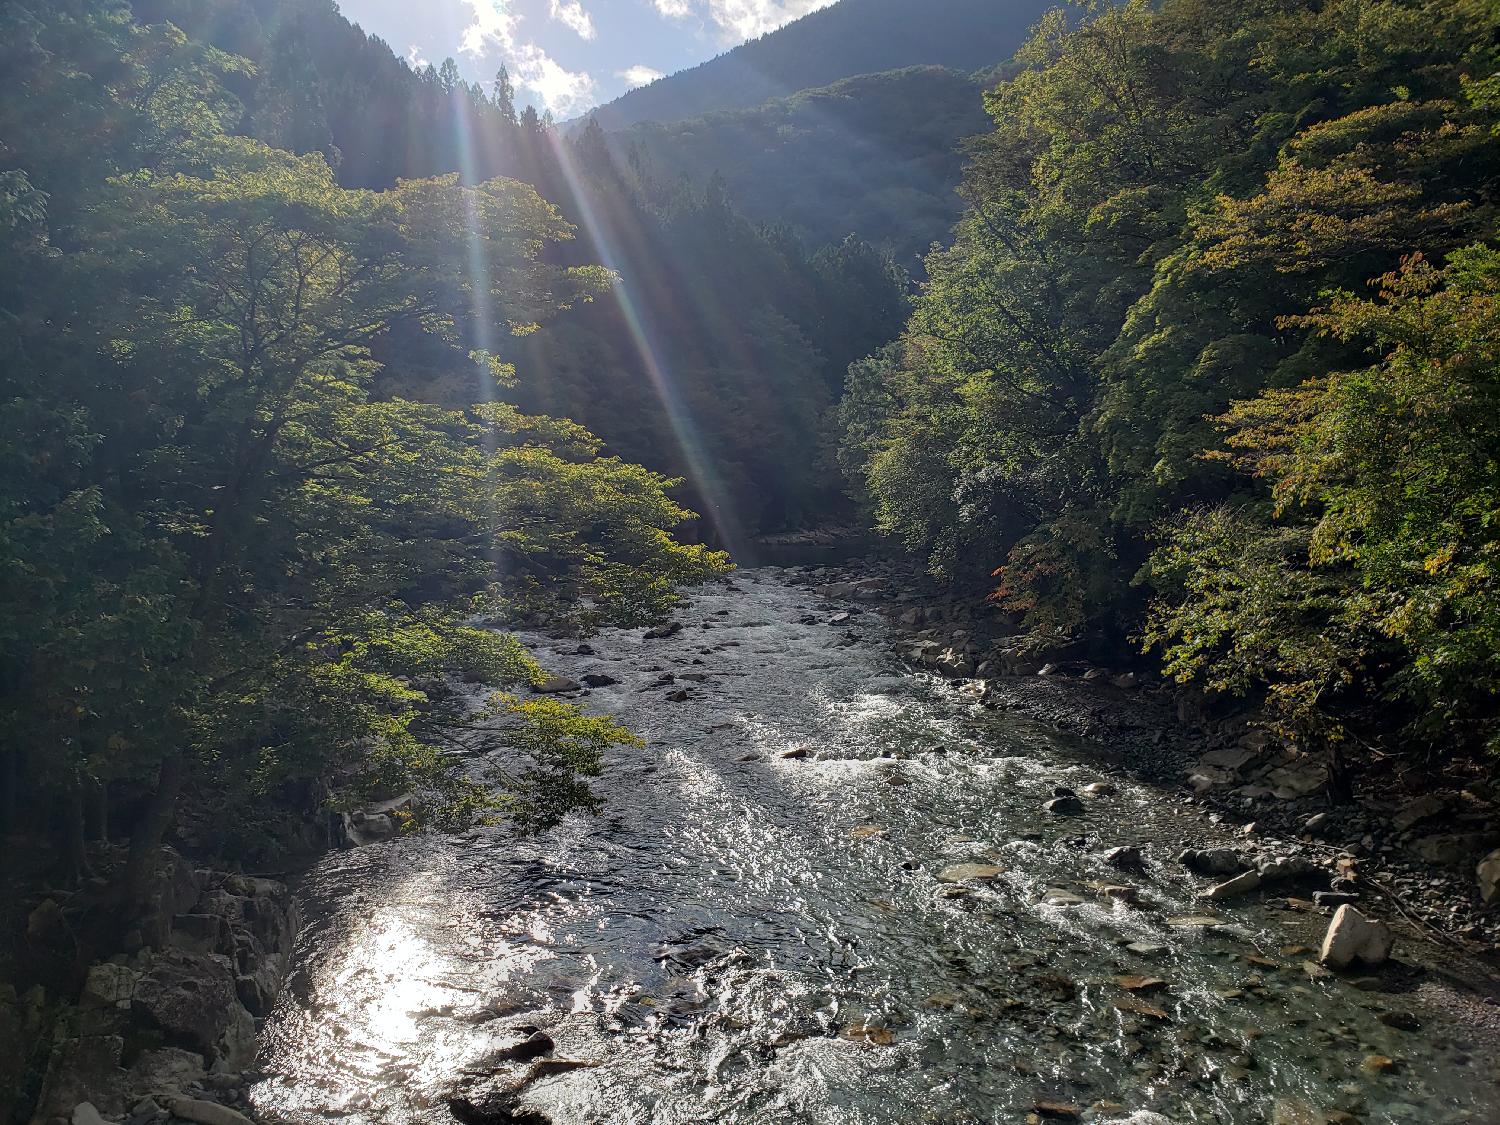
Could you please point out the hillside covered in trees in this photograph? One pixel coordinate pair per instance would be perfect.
(844, 40)
(1211, 364)
(878, 155)
(238, 547)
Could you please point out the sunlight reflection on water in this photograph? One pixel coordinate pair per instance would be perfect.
(718, 940)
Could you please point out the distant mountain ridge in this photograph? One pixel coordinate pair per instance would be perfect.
(877, 154)
(846, 39)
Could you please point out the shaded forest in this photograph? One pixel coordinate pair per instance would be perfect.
(1210, 365)
(241, 549)
(878, 155)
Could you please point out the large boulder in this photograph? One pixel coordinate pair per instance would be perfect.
(85, 1069)
(109, 986)
(1488, 873)
(1213, 861)
(191, 999)
(1352, 937)
(1451, 849)
(1423, 808)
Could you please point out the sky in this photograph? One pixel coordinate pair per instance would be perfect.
(570, 55)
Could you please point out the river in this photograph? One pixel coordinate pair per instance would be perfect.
(755, 930)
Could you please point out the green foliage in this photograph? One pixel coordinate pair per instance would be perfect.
(1167, 190)
(1393, 471)
(232, 552)
(1241, 611)
(878, 154)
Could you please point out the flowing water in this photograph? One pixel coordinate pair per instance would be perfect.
(745, 936)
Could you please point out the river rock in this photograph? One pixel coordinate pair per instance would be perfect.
(1285, 869)
(661, 632)
(1352, 937)
(206, 1113)
(1231, 758)
(554, 685)
(1068, 805)
(1331, 899)
(1488, 874)
(109, 986)
(1423, 808)
(1451, 849)
(85, 1114)
(1294, 1111)
(1213, 861)
(1296, 779)
(1195, 922)
(970, 873)
(1127, 857)
(1241, 884)
(493, 1103)
(536, 1044)
(599, 679)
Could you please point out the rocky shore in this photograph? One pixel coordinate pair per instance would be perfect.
(1423, 850)
(162, 1033)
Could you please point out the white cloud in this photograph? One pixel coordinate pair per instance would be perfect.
(639, 75)
(494, 27)
(565, 92)
(414, 57)
(738, 20)
(571, 13)
(745, 19)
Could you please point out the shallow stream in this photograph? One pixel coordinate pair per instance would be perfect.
(756, 931)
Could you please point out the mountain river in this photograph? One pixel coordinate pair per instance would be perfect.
(768, 923)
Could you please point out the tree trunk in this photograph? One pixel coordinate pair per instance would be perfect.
(1340, 780)
(146, 839)
(10, 769)
(99, 812)
(74, 847)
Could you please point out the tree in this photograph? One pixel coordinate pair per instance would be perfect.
(231, 557)
(505, 96)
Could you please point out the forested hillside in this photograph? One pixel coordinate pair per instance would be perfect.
(879, 155)
(662, 380)
(850, 38)
(240, 550)
(1211, 365)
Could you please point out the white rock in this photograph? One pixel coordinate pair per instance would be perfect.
(84, 1113)
(1488, 873)
(1353, 937)
(1239, 885)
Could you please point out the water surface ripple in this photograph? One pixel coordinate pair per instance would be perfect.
(745, 936)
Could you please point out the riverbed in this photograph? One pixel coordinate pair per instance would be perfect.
(828, 890)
